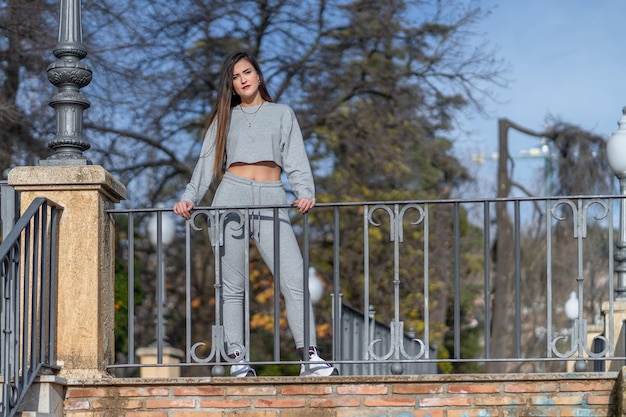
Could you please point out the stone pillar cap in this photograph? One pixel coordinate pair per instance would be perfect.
(67, 177)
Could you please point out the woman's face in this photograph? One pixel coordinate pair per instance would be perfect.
(246, 81)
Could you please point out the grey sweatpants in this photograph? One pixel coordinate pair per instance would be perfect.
(235, 191)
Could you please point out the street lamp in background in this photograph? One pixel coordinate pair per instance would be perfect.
(161, 232)
(616, 153)
(571, 311)
(167, 231)
(316, 286)
(571, 307)
(578, 334)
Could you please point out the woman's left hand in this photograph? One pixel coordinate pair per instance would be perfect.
(303, 204)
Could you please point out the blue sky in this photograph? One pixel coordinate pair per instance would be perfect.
(566, 58)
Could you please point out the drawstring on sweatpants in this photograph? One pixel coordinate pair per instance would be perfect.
(256, 213)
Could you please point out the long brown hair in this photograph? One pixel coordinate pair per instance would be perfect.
(226, 100)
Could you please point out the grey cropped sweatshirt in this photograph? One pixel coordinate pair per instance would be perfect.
(270, 134)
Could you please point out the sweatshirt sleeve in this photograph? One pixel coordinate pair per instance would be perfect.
(295, 161)
(203, 172)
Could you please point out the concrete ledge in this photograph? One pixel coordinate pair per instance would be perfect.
(379, 379)
(553, 394)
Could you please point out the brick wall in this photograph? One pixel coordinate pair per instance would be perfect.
(559, 395)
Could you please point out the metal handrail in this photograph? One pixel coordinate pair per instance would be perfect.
(397, 224)
(28, 273)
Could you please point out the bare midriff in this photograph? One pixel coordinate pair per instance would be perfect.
(258, 171)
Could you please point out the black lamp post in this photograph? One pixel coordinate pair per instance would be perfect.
(69, 74)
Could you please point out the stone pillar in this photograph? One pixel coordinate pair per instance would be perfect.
(85, 315)
(149, 355)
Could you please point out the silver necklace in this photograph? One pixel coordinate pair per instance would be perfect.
(253, 114)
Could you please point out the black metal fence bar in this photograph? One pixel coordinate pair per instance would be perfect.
(487, 277)
(412, 253)
(29, 261)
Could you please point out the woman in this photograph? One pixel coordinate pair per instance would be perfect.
(254, 140)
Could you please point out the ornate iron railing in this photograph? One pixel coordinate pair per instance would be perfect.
(28, 273)
(479, 285)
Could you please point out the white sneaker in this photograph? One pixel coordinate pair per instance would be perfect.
(243, 370)
(317, 366)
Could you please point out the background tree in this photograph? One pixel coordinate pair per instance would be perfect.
(27, 31)
(582, 166)
(576, 165)
(378, 133)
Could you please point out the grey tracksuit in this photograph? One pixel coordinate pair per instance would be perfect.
(274, 135)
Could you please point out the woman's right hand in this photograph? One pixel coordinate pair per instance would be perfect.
(183, 209)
